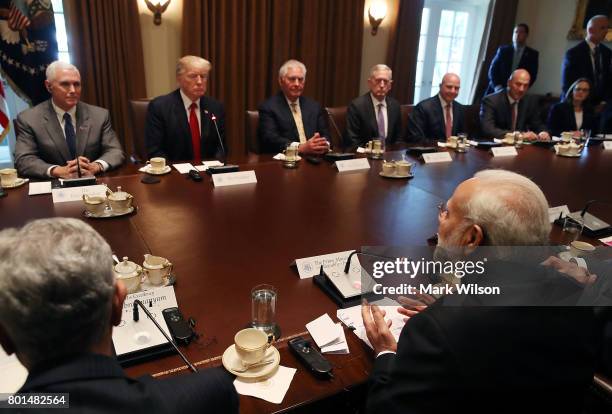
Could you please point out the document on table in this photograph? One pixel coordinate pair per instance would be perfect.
(183, 168)
(272, 389)
(40, 188)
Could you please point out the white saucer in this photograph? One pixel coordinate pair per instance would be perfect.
(382, 174)
(18, 183)
(570, 155)
(230, 360)
(163, 171)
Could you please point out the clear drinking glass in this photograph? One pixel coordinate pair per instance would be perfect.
(572, 229)
(263, 307)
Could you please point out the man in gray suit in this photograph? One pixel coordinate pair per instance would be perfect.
(53, 134)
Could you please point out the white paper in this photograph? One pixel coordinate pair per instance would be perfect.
(339, 346)
(61, 195)
(206, 164)
(323, 330)
(607, 145)
(553, 212)
(504, 151)
(281, 157)
(311, 266)
(434, 157)
(272, 389)
(441, 144)
(132, 336)
(13, 373)
(234, 178)
(353, 165)
(183, 168)
(607, 241)
(351, 317)
(361, 150)
(40, 188)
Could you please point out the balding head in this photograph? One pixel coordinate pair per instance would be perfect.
(597, 28)
(518, 84)
(449, 87)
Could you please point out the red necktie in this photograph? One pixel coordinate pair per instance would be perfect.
(195, 133)
(449, 121)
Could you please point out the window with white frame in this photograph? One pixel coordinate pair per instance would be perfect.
(451, 32)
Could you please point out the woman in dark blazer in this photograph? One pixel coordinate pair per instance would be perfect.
(574, 112)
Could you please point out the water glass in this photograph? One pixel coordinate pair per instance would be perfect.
(263, 307)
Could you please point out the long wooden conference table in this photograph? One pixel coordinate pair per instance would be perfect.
(223, 241)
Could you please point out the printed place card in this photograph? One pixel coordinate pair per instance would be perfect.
(353, 165)
(434, 157)
(607, 145)
(504, 151)
(234, 178)
(61, 195)
(554, 212)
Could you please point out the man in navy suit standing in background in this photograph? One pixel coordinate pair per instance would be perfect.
(511, 57)
(289, 117)
(181, 125)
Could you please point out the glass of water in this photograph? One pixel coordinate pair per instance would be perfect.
(263, 307)
(572, 229)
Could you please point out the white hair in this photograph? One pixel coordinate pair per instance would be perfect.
(59, 65)
(381, 67)
(56, 287)
(291, 63)
(511, 209)
(192, 61)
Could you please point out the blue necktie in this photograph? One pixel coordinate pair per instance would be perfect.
(70, 135)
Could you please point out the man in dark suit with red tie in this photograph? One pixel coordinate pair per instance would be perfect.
(511, 57)
(181, 125)
(592, 60)
(437, 117)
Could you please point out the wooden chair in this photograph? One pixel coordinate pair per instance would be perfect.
(337, 115)
(250, 132)
(138, 115)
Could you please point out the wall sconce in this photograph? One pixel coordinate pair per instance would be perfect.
(377, 12)
(157, 10)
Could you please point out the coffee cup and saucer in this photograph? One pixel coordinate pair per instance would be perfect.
(396, 169)
(9, 178)
(157, 166)
(252, 354)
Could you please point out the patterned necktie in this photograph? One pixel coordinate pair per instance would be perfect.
(448, 123)
(70, 135)
(195, 133)
(380, 120)
(514, 115)
(297, 117)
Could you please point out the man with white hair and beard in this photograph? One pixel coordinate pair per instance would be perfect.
(485, 358)
(59, 301)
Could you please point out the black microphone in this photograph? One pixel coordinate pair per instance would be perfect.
(78, 167)
(354, 252)
(135, 310)
(214, 119)
(333, 122)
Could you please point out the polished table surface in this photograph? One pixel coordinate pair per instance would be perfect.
(224, 241)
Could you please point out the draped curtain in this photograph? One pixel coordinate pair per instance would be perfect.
(106, 46)
(248, 40)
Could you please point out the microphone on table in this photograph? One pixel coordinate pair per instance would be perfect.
(136, 318)
(78, 167)
(213, 118)
(358, 252)
(333, 122)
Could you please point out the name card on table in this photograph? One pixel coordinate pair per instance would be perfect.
(61, 195)
(554, 212)
(504, 152)
(353, 165)
(607, 145)
(234, 178)
(434, 157)
(311, 266)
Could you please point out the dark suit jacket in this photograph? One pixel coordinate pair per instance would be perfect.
(97, 384)
(167, 132)
(561, 118)
(276, 125)
(496, 115)
(577, 64)
(361, 125)
(427, 118)
(41, 142)
(501, 66)
(480, 358)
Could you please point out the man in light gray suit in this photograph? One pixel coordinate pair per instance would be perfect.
(53, 134)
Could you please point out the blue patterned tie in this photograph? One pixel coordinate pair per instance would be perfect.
(70, 135)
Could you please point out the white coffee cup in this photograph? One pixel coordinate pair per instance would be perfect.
(8, 177)
(157, 163)
(388, 168)
(251, 345)
(403, 167)
(156, 268)
(579, 248)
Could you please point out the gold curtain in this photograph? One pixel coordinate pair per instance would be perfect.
(106, 45)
